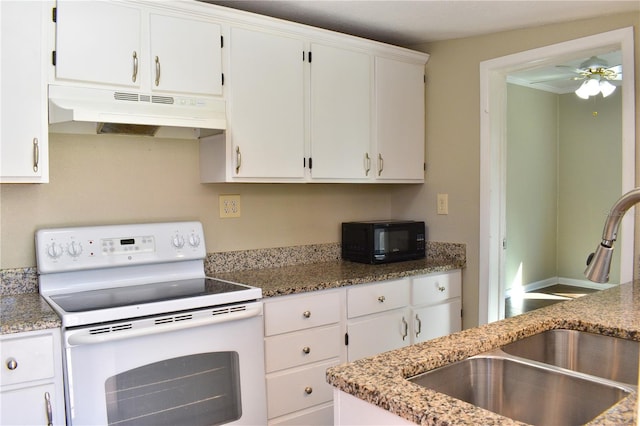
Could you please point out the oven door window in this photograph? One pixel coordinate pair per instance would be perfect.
(201, 389)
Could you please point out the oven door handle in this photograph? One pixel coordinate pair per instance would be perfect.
(85, 338)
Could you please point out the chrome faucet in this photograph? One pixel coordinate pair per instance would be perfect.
(599, 263)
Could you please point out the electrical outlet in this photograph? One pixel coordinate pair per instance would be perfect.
(443, 203)
(229, 205)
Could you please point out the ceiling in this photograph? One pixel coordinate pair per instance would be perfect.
(408, 23)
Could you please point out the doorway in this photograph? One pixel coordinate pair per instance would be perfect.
(493, 93)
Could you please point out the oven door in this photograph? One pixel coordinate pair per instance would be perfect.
(203, 367)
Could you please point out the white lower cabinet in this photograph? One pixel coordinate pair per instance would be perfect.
(31, 390)
(303, 337)
(307, 333)
(436, 305)
(378, 318)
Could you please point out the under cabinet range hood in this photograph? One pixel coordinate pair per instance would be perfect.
(88, 110)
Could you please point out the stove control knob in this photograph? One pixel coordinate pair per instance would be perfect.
(74, 249)
(55, 250)
(178, 241)
(194, 240)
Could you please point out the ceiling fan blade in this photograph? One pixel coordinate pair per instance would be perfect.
(617, 69)
(557, 79)
(573, 69)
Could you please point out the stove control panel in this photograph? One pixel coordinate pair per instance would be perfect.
(108, 246)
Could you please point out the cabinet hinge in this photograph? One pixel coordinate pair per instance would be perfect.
(310, 163)
(309, 57)
(424, 78)
(54, 14)
(53, 58)
(223, 79)
(346, 339)
(221, 41)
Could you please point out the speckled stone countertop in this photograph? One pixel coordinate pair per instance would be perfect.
(320, 276)
(26, 312)
(380, 380)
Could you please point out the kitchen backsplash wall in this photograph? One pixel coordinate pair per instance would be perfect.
(25, 280)
(123, 179)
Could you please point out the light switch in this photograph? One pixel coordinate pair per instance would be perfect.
(443, 203)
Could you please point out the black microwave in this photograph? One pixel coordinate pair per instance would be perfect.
(383, 241)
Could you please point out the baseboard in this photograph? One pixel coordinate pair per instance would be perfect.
(537, 285)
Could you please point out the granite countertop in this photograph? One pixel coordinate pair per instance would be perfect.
(324, 275)
(380, 380)
(26, 312)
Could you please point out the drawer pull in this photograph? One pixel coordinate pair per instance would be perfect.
(381, 299)
(405, 333)
(306, 314)
(306, 350)
(12, 364)
(441, 287)
(308, 390)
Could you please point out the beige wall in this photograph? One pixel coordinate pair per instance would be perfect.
(453, 131)
(119, 179)
(590, 178)
(532, 182)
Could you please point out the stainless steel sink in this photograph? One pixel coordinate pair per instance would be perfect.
(524, 391)
(603, 356)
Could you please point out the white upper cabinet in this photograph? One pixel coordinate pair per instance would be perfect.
(340, 112)
(99, 42)
(399, 118)
(266, 105)
(186, 55)
(124, 45)
(23, 93)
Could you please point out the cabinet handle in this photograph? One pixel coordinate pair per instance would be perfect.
(380, 164)
(47, 400)
(381, 299)
(238, 159)
(134, 76)
(12, 364)
(36, 154)
(308, 390)
(367, 164)
(306, 314)
(419, 325)
(441, 288)
(306, 350)
(157, 71)
(406, 328)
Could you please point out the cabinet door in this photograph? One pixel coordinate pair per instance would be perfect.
(23, 94)
(374, 334)
(185, 56)
(340, 113)
(29, 406)
(99, 42)
(266, 104)
(438, 320)
(399, 120)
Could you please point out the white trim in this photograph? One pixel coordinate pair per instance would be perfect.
(584, 283)
(493, 75)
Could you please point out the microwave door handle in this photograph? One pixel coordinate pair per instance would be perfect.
(87, 339)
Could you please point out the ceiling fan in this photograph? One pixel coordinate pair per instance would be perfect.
(595, 75)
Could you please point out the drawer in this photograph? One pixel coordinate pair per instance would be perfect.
(31, 356)
(302, 347)
(298, 389)
(379, 297)
(291, 313)
(436, 288)
(316, 416)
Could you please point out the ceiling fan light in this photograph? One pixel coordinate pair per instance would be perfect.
(606, 88)
(583, 91)
(593, 87)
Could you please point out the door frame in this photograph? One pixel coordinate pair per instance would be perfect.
(493, 139)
